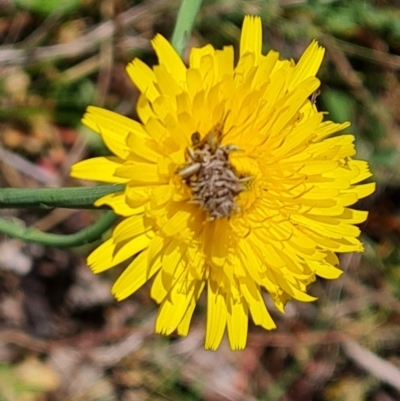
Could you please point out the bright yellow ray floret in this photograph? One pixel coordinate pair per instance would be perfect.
(234, 185)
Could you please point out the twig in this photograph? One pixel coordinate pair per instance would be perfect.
(362, 94)
(110, 355)
(382, 59)
(372, 363)
(27, 168)
(84, 44)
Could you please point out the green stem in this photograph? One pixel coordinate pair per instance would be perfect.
(184, 24)
(85, 236)
(80, 197)
(73, 198)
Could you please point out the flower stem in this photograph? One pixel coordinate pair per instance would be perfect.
(184, 24)
(85, 236)
(73, 198)
(80, 197)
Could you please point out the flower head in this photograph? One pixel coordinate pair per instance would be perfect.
(234, 183)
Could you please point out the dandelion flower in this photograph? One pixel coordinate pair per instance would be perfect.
(234, 183)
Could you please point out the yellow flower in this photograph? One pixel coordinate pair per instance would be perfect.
(233, 182)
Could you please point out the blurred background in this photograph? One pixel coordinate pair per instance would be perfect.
(63, 337)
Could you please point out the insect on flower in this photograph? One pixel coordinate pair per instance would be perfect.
(314, 96)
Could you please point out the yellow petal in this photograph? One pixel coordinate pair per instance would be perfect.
(216, 240)
(166, 82)
(251, 37)
(224, 62)
(174, 307)
(362, 169)
(364, 190)
(158, 292)
(113, 128)
(293, 290)
(258, 310)
(144, 108)
(216, 316)
(131, 227)
(308, 64)
(325, 270)
(110, 254)
(143, 77)
(178, 222)
(299, 135)
(143, 147)
(136, 196)
(141, 174)
(237, 324)
(263, 73)
(197, 54)
(168, 57)
(157, 245)
(289, 108)
(171, 258)
(102, 169)
(134, 276)
(328, 128)
(194, 83)
(117, 201)
(183, 327)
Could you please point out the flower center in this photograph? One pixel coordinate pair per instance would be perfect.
(210, 176)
